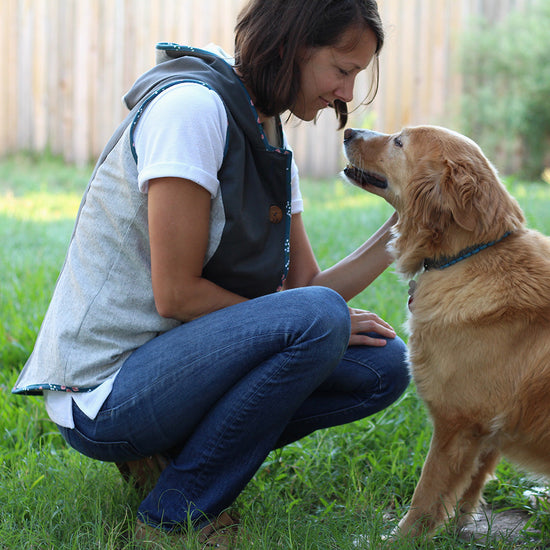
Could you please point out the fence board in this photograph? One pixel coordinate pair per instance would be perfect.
(68, 63)
(8, 108)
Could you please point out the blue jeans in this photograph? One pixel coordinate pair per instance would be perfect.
(219, 393)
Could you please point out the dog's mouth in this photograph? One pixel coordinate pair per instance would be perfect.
(364, 178)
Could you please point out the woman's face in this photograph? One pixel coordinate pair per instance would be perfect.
(329, 72)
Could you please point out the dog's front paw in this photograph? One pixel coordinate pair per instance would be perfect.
(414, 525)
(393, 536)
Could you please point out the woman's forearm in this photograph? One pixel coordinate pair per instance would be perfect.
(355, 272)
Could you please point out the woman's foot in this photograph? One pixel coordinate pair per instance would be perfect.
(220, 533)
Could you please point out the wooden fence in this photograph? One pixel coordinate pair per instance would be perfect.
(67, 63)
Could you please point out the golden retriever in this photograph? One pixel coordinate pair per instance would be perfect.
(479, 320)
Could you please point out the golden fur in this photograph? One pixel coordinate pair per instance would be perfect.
(479, 330)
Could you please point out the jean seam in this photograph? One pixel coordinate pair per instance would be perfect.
(358, 405)
(373, 370)
(202, 358)
(361, 401)
(208, 458)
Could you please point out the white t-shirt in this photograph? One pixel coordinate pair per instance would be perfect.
(170, 141)
(189, 143)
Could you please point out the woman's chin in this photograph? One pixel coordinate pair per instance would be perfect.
(307, 115)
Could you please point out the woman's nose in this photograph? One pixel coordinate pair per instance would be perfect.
(345, 90)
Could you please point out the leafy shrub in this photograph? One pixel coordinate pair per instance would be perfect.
(506, 76)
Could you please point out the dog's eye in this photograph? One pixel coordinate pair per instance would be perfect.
(397, 142)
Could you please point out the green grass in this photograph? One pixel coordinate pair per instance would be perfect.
(337, 489)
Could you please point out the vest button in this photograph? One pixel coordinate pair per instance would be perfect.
(275, 214)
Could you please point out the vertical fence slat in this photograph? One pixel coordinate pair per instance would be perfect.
(388, 95)
(53, 42)
(94, 72)
(24, 43)
(81, 81)
(8, 91)
(39, 132)
(409, 48)
(425, 75)
(68, 118)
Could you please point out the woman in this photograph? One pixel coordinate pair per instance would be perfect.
(166, 334)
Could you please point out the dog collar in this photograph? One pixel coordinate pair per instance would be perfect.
(444, 262)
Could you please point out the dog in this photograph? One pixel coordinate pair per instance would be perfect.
(479, 319)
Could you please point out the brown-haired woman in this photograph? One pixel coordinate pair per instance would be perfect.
(191, 321)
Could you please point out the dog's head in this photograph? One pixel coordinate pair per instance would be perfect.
(447, 194)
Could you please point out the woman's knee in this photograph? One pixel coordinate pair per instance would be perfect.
(397, 374)
(325, 309)
(318, 324)
(381, 371)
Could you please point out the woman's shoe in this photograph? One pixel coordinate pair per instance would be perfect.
(221, 533)
(143, 473)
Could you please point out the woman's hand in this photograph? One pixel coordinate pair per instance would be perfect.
(365, 321)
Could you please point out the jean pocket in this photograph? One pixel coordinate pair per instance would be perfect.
(107, 451)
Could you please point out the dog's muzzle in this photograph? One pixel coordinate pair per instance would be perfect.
(364, 178)
(356, 175)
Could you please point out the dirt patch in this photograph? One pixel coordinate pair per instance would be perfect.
(507, 525)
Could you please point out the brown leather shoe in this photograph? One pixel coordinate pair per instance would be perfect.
(221, 533)
(143, 474)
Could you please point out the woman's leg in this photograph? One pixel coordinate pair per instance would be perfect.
(220, 390)
(367, 380)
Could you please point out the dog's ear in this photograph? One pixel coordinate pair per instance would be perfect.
(459, 187)
(425, 203)
(423, 219)
(475, 196)
(446, 190)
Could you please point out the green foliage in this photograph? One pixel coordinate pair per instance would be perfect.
(506, 78)
(340, 489)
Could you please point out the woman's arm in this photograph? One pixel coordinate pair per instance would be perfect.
(349, 276)
(179, 214)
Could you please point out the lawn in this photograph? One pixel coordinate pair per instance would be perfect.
(338, 489)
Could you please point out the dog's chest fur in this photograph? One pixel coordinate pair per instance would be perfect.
(475, 322)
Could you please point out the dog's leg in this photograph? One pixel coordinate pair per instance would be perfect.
(446, 474)
(472, 495)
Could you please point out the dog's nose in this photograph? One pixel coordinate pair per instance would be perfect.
(349, 134)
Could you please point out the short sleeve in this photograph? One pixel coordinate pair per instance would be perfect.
(297, 203)
(182, 134)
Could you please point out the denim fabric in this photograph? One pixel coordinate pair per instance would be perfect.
(219, 393)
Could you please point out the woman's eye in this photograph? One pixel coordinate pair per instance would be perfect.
(343, 72)
(397, 141)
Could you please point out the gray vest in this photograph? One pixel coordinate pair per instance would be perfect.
(103, 304)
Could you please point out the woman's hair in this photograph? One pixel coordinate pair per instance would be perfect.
(271, 35)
